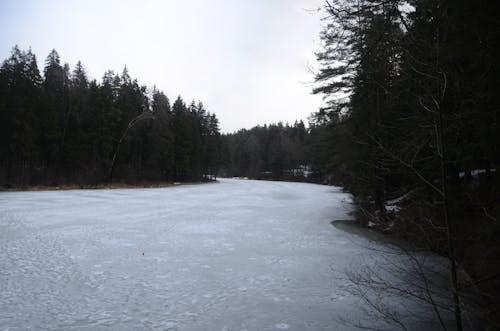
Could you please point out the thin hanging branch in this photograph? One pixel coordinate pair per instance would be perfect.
(143, 116)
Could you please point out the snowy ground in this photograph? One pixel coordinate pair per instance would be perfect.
(234, 255)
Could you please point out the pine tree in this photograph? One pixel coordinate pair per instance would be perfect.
(20, 81)
(162, 140)
(54, 111)
(183, 142)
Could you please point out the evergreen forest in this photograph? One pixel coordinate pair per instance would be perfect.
(411, 127)
(64, 128)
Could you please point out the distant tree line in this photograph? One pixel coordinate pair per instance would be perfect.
(274, 151)
(411, 127)
(279, 152)
(62, 127)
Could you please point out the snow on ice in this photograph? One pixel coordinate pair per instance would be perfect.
(233, 255)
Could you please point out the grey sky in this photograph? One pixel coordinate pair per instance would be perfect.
(247, 61)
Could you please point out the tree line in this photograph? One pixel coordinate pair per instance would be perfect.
(411, 126)
(62, 127)
(275, 151)
(278, 152)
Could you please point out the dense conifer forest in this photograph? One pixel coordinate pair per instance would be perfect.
(275, 151)
(411, 127)
(64, 128)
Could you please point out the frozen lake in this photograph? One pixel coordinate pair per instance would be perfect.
(233, 255)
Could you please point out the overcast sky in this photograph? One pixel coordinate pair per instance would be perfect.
(246, 60)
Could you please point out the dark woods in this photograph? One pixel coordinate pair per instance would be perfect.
(280, 152)
(276, 151)
(64, 128)
(418, 140)
(59, 127)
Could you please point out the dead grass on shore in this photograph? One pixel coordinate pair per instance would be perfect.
(107, 186)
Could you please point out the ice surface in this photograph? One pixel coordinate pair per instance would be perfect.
(234, 255)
